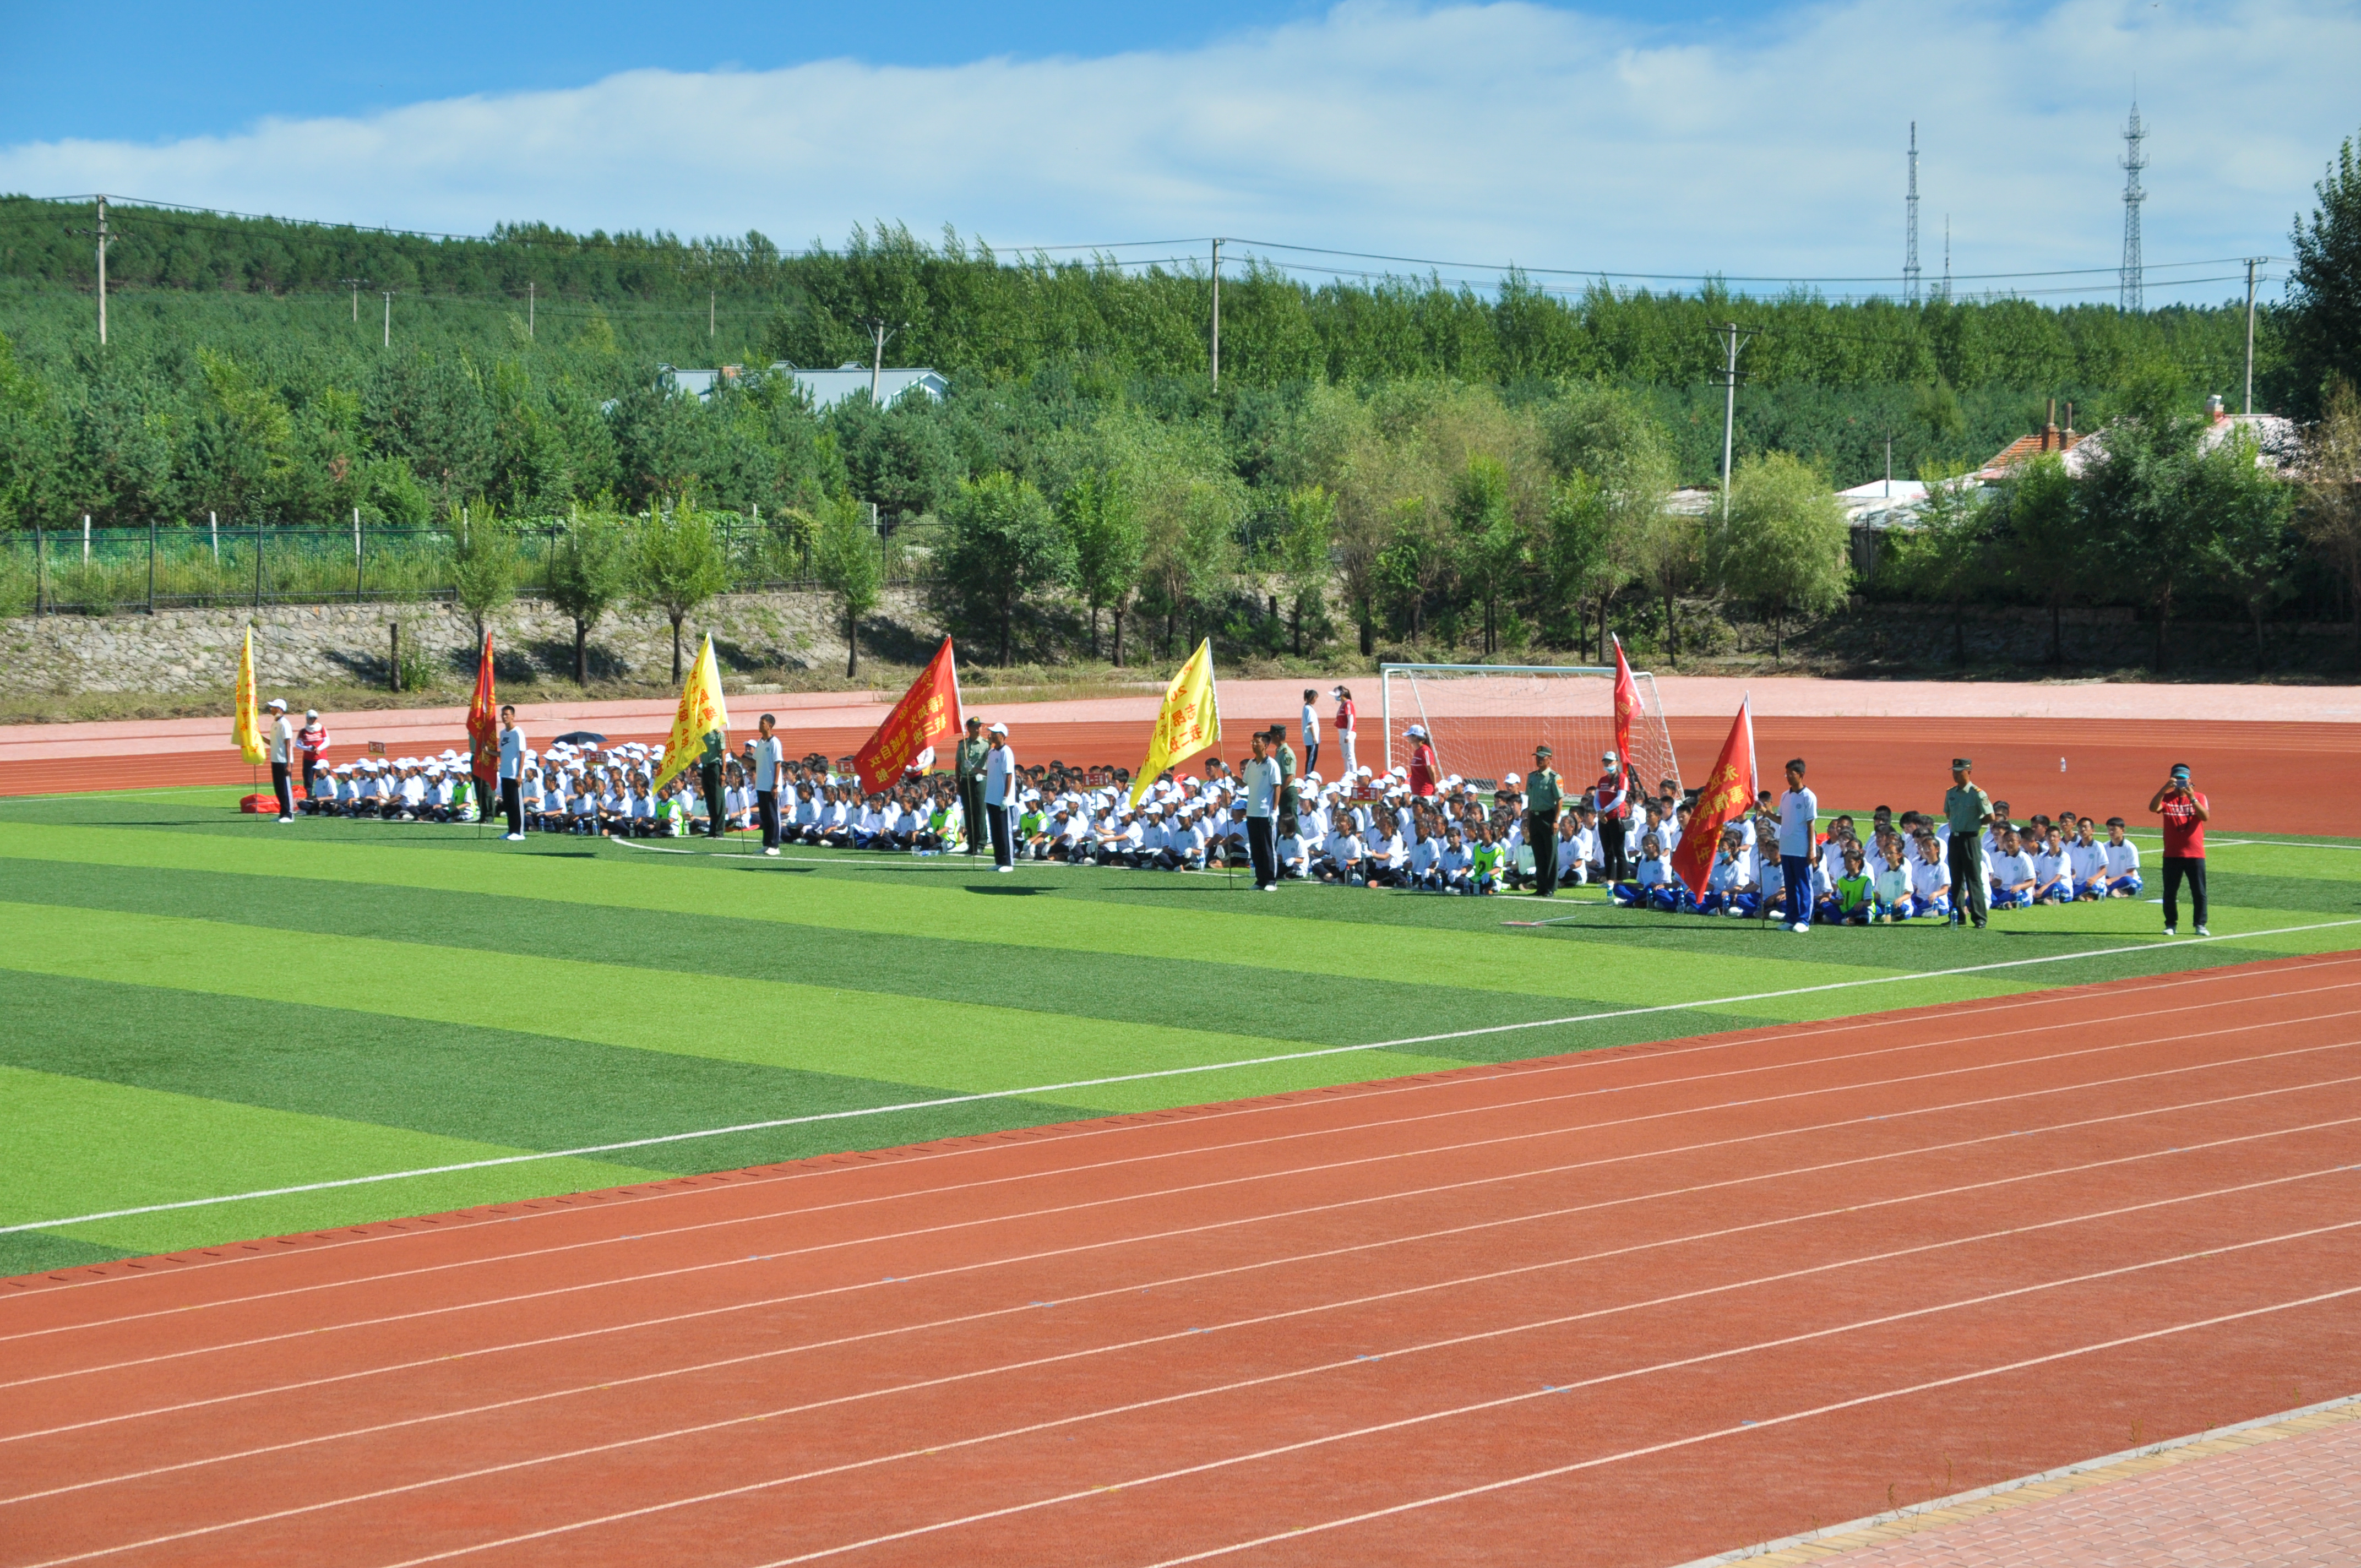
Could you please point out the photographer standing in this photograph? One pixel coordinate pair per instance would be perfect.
(2185, 814)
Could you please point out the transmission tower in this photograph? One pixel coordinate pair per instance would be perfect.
(1910, 235)
(2133, 160)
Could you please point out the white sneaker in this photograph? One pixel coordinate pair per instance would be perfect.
(774, 853)
(1004, 871)
(2169, 931)
(2203, 932)
(512, 838)
(1270, 887)
(286, 819)
(1800, 928)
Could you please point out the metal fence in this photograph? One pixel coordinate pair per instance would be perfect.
(98, 571)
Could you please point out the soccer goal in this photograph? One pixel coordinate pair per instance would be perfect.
(1486, 719)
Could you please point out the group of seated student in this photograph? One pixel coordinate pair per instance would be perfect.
(1901, 872)
(395, 789)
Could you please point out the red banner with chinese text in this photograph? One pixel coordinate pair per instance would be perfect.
(928, 712)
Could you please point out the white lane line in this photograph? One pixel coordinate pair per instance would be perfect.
(704, 1267)
(1984, 1037)
(585, 1150)
(1265, 1380)
(1756, 1426)
(1135, 1287)
(1975, 1009)
(1386, 1427)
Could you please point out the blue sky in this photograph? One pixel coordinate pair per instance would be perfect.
(1756, 140)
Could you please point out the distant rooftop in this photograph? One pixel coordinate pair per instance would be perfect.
(826, 387)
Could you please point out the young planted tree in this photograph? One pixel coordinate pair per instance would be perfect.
(679, 565)
(485, 561)
(1002, 545)
(1665, 545)
(1490, 546)
(1101, 523)
(849, 562)
(1577, 553)
(1784, 544)
(1302, 558)
(589, 573)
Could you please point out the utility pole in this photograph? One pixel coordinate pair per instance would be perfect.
(389, 317)
(711, 296)
(1729, 409)
(529, 291)
(101, 234)
(880, 331)
(356, 285)
(1217, 313)
(2252, 262)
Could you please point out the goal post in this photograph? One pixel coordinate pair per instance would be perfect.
(1484, 720)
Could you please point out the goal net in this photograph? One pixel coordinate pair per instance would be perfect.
(1486, 719)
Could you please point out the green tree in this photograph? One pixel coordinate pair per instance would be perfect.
(1666, 548)
(1490, 546)
(1302, 558)
(1002, 545)
(1784, 545)
(679, 565)
(850, 563)
(1577, 553)
(1610, 438)
(2252, 547)
(2137, 492)
(589, 574)
(2323, 336)
(1950, 558)
(2045, 553)
(485, 560)
(2330, 513)
(1102, 526)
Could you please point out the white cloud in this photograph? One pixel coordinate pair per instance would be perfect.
(1506, 131)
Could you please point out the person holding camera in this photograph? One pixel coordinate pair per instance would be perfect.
(2185, 814)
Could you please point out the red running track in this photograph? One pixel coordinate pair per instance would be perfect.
(2262, 776)
(1629, 1307)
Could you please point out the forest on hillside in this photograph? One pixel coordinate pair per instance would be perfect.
(260, 371)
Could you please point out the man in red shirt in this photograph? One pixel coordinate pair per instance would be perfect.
(2185, 814)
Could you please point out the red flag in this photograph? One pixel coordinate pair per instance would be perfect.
(484, 721)
(1628, 707)
(928, 712)
(1729, 791)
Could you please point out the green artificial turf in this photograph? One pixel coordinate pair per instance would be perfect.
(196, 1005)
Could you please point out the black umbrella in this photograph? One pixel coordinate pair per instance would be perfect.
(581, 737)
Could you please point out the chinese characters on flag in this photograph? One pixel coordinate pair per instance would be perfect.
(928, 712)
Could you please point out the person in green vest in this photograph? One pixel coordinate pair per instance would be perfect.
(967, 771)
(1544, 796)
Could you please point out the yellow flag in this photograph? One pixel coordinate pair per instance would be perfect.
(245, 729)
(701, 713)
(1189, 721)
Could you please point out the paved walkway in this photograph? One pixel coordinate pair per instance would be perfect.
(2285, 1492)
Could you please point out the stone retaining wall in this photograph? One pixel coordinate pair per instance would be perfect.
(192, 650)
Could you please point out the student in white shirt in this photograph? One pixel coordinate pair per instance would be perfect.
(1456, 865)
(1387, 864)
(1889, 890)
(2012, 874)
(1931, 879)
(2053, 872)
(1311, 763)
(2123, 862)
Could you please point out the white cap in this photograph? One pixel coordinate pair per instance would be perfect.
(1418, 731)
(998, 729)
(311, 713)
(277, 702)
(1510, 779)
(1608, 759)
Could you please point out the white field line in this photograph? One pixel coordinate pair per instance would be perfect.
(589, 1149)
(1165, 1401)
(1132, 1289)
(1843, 1026)
(710, 1266)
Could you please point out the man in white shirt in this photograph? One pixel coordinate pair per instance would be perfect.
(513, 772)
(770, 755)
(1000, 798)
(1261, 776)
(282, 757)
(1799, 809)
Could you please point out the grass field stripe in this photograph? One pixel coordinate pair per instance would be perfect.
(1259, 1320)
(1426, 955)
(1688, 1239)
(591, 1149)
(515, 1298)
(1476, 1408)
(1300, 1531)
(1407, 1086)
(821, 1028)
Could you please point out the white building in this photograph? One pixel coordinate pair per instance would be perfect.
(825, 388)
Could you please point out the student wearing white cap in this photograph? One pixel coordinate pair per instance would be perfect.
(999, 794)
(1610, 798)
(313, 739)
(282, 758)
